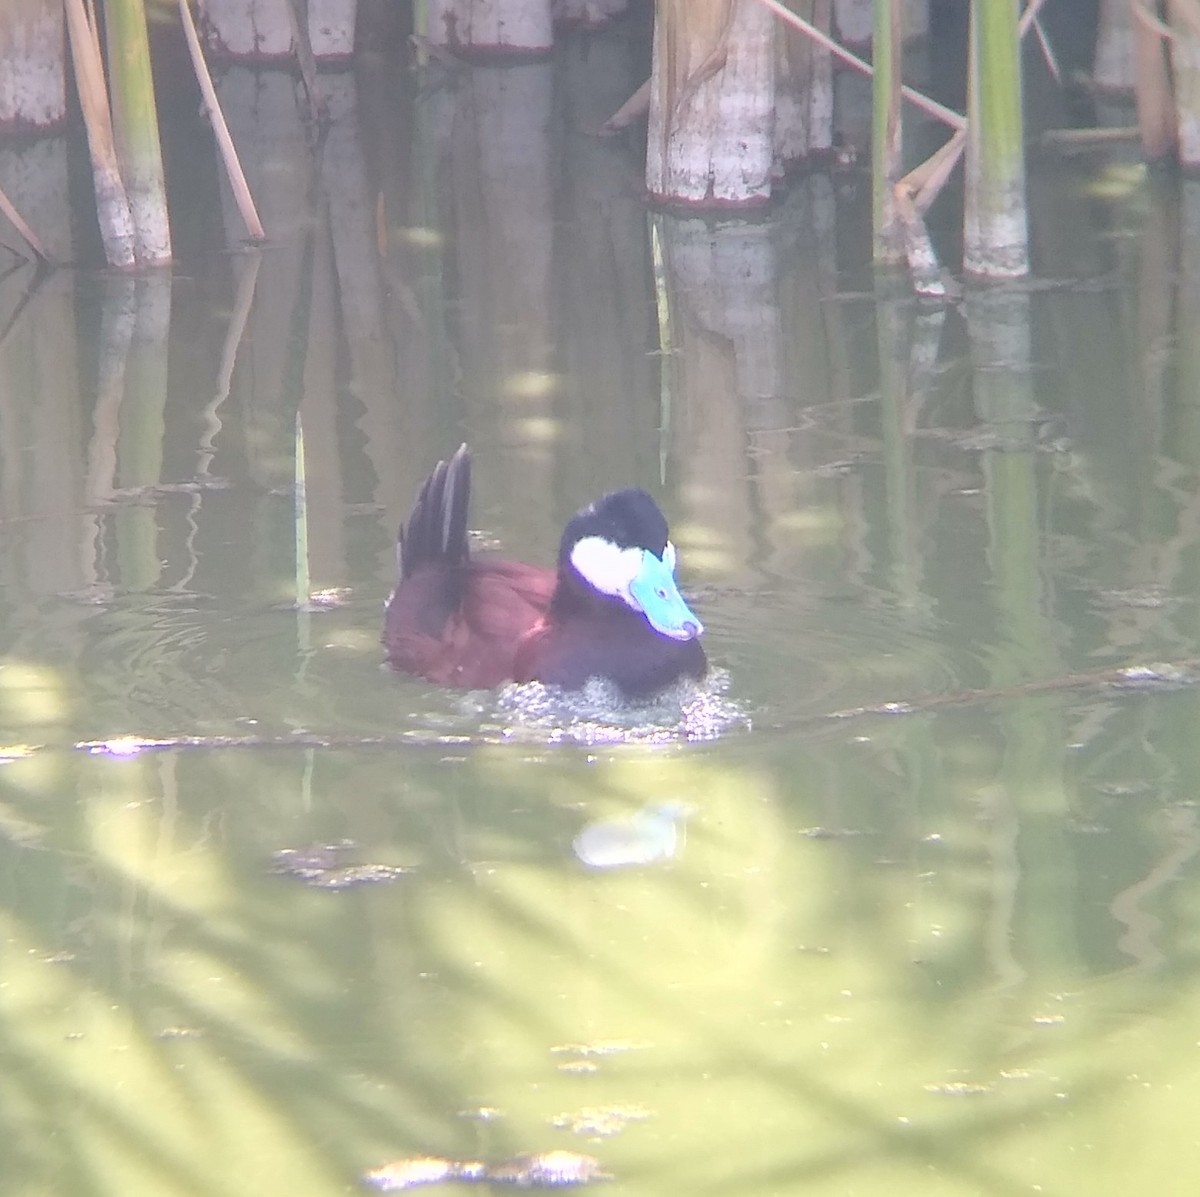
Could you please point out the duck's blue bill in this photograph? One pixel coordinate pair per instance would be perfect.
(655, 592)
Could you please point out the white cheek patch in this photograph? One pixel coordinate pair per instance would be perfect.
(606, 566)
(668, 557)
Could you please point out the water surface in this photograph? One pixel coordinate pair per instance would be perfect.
(908, 904)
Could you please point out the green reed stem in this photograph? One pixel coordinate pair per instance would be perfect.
(300, 519)
(135, 124)
(996, 234)
(886, 148)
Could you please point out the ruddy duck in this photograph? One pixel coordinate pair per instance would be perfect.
(611, 609)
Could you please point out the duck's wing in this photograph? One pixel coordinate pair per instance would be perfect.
(453, 618)
(435, 533)
(474, 645)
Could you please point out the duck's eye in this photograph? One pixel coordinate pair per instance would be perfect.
(661, 592)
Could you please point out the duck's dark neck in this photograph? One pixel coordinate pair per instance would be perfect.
(589, 634)
(573, 598)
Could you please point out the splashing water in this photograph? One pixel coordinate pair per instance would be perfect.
(598, 714)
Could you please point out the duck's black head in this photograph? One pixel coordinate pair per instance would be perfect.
(619, 547)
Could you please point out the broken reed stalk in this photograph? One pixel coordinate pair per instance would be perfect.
(918, 100)
(135, 116)
(112, 204)
(914, 194)
(17, 221)
(233, 168)
(924, 182)
(886, 128)
(923, 266)
(638, 104)
(1048, 55)
(920, 187)
(916, 191)
(318, 105)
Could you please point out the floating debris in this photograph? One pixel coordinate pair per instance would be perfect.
(828, 833)
(538, 1170)
(836, 469)
(410, 1173)
(1157, 676)
(118, 745)
(883, 708)
(548, 1170)
(1048, 1020)
(601, 1047)
(180, 1032)
(578, 1067)
(324, 866)
(1038, 434)
(17, 752)
(958, 1088)
(1142, 598)
(482, 1114)
(599, 1122)
(331, 597)
(96, 595)
(147, 494)
(1135, 788)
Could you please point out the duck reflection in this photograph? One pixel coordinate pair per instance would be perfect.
(650, 836)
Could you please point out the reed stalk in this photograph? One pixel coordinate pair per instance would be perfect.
(666, 343)
(233, 168)
(1183, 17)
(712, 101)
(918, 99)
(33, 89)
(900, 469)
(995, 224)
(112, 204)
(886, 132)
(247, 277)
(303, 581)
(8, 208)
(420, 33)
(318, 103)
(135, 118)
(1152, 88)
(142, 430)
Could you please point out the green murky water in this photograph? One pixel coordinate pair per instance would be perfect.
(943, 946)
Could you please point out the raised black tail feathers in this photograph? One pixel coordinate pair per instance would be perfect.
(435, 532)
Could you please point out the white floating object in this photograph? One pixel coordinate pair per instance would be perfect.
(650, 836)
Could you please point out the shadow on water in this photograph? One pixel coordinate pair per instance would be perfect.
(735, 947)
